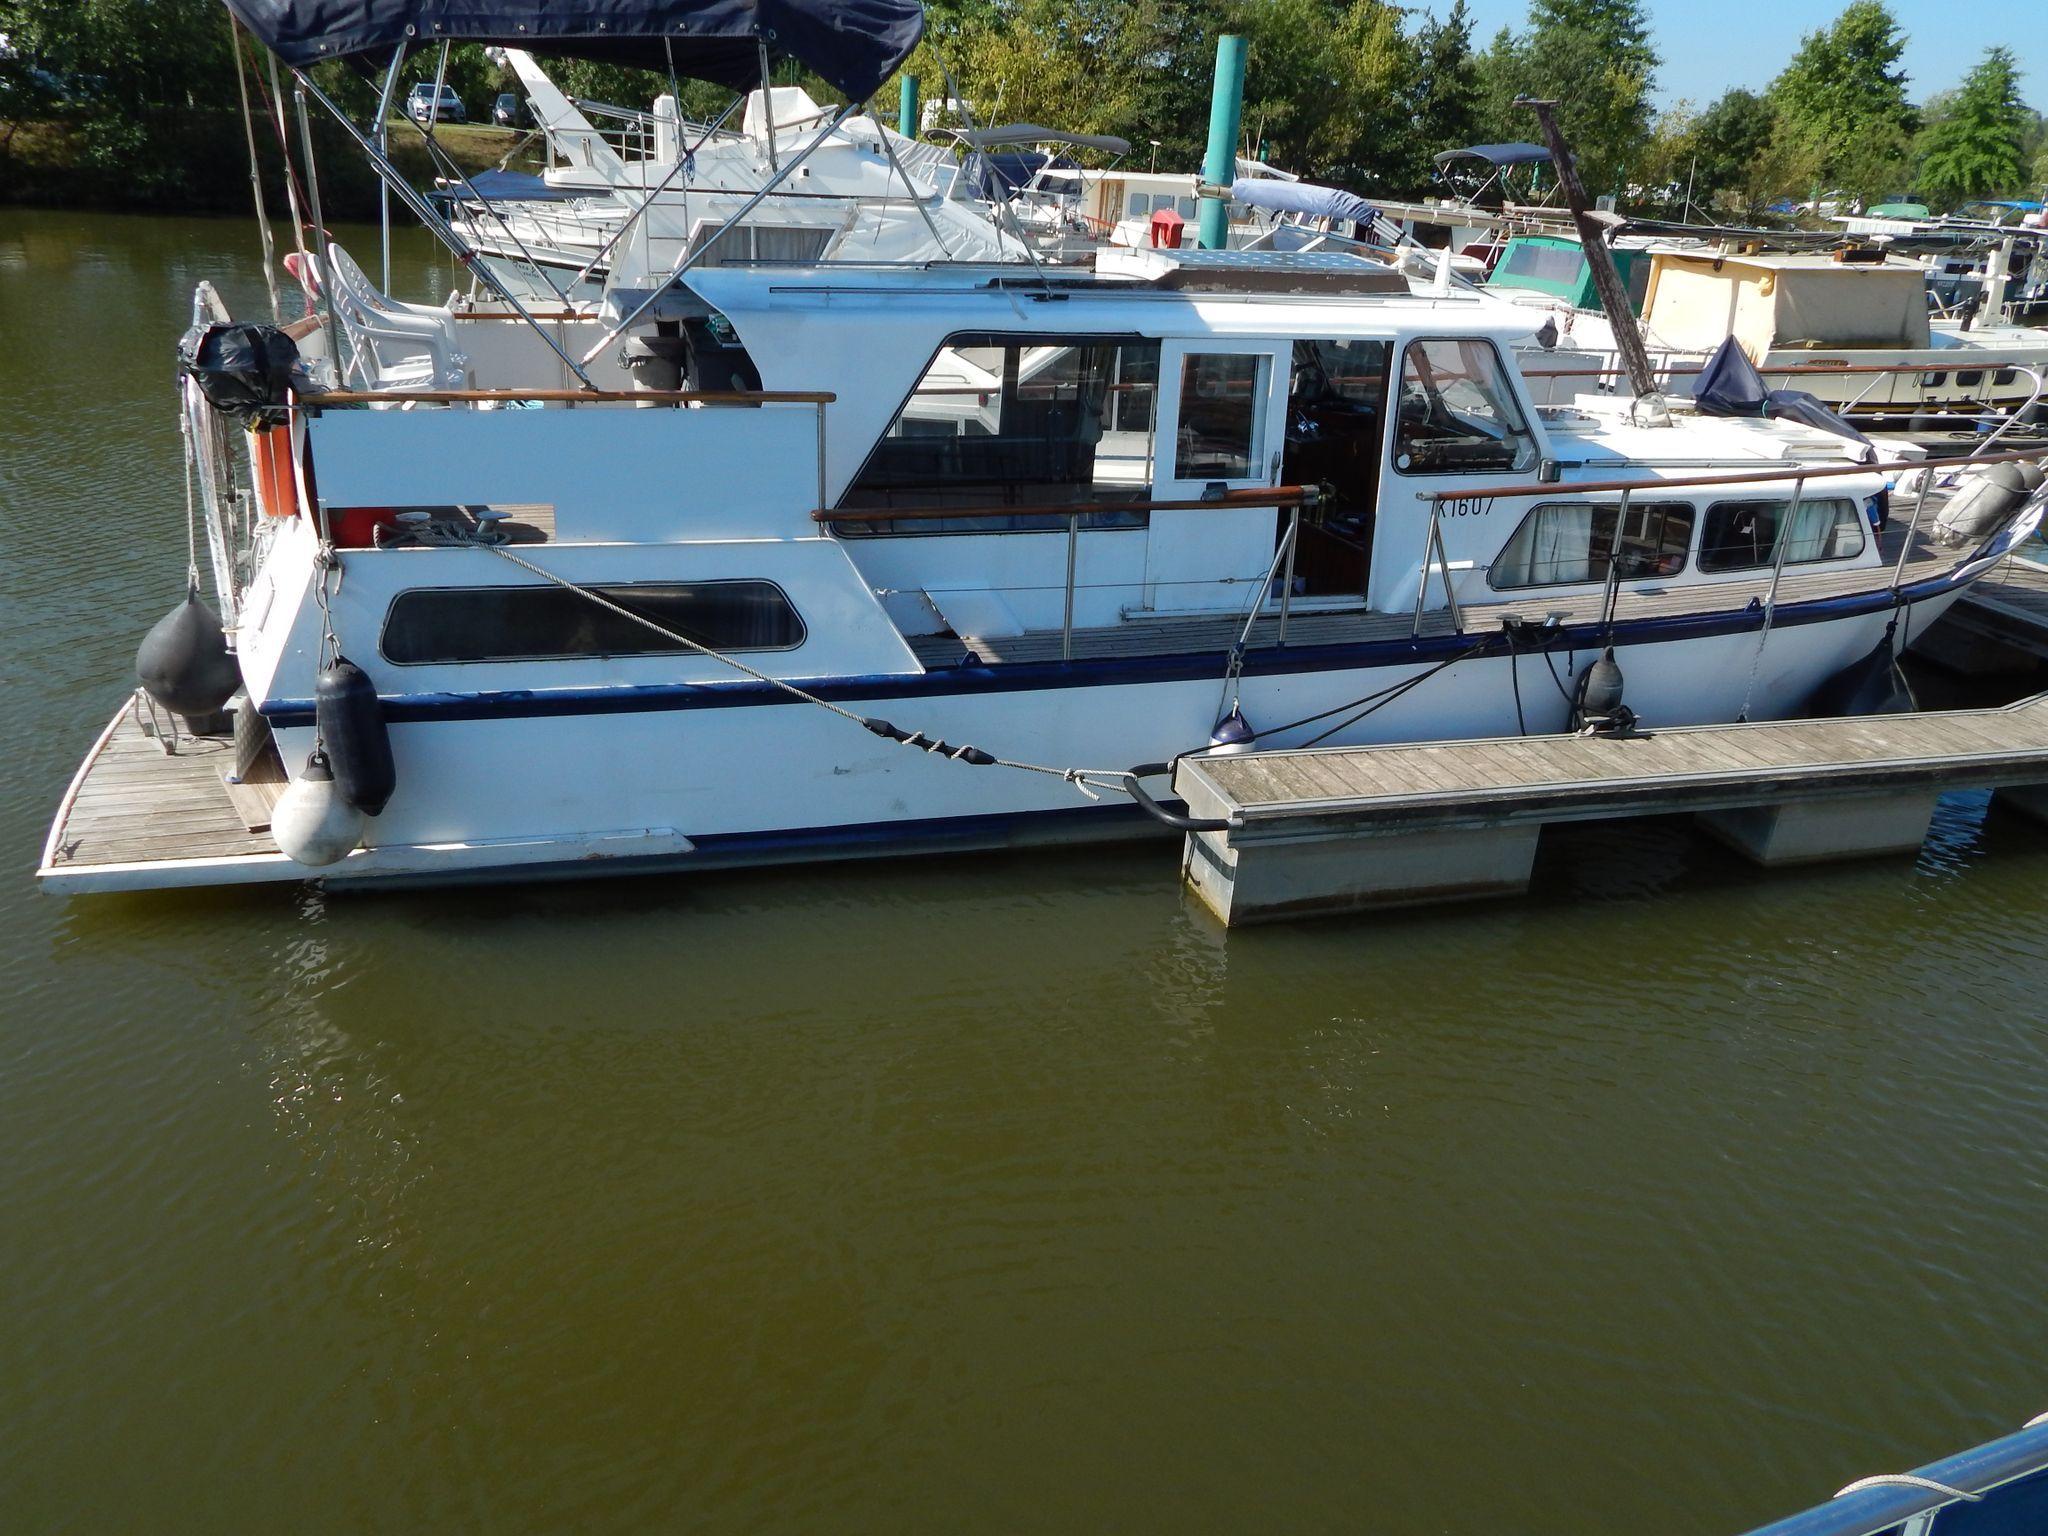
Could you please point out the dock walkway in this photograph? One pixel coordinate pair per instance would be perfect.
(1348, 828)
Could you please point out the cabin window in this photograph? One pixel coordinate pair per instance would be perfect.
(1222, 416)
(1569, 541)
(1013, 432)
(2004, 376)
(1969, 378)
(781, 244)
(1458, 415)
(1743, 535)
(550, 623)
(1559, 264)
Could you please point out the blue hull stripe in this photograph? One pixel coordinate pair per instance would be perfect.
(1015, 677)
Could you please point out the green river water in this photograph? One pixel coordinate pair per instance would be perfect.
(991, 1194)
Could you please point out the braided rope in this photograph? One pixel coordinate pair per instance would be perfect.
(1089, 781)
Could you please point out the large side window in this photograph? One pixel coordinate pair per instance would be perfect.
(1011, 422)
(1458, 414)
(549, 623)
(1743, 535)
(1566, 541)
(1222, 416)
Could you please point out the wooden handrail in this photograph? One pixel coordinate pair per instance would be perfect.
(1791, 368)
(1276, 496)
(1815, 472)
(573, 396)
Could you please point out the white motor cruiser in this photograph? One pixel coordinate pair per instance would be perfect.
(628, 196)
(932, 556)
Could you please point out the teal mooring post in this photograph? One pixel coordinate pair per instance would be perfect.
(906, 108)
(1219, 169)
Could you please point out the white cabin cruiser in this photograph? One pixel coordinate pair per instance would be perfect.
(636, 199)
(971, 545)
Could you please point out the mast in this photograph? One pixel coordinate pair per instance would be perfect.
(1628, 337)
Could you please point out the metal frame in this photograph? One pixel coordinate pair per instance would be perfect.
(690, 259)
(424, 210)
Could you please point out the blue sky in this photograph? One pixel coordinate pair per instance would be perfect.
(1709, 45)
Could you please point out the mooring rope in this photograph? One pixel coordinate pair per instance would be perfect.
(1089, 781)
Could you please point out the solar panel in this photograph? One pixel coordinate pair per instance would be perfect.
(1201, 271)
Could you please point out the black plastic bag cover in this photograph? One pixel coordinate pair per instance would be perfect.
(244, 370)
(1729, 385)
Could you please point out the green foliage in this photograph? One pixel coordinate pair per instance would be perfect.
(1976, 147)
(1746, 157)
(1593, 58)
(1446, 97)
(1618, 26)
(133, 100)
(1842, 100)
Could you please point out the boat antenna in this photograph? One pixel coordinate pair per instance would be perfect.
(1650, 408)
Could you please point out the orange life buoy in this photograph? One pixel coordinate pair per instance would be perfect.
(277, 487)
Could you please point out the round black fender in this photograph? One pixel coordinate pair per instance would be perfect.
(350, 719)
(184, 661)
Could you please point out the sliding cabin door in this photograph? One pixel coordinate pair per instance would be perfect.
(1220, 426)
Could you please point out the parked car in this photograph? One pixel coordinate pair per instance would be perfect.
(505, 110)
(421, 105)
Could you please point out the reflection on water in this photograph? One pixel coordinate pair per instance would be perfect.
(990, 1192)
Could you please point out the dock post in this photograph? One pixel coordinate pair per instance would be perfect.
(1219, 166)
(906, 107)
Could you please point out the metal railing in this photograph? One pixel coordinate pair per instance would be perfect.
(1294, 497)
(1878, 371)
(1434, 556)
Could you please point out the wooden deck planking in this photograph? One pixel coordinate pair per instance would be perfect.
(136, 803)
(1262, 783)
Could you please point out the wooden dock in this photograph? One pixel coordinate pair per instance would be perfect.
(1346, 829)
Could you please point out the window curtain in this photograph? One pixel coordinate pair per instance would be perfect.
(1554, 544)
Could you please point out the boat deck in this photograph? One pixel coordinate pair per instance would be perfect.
(1201, 633)
(134, 804)
(139, 818)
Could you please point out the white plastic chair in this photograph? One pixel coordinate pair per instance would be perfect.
(392, 345)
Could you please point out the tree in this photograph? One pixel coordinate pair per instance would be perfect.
(1976, 147)
(1843, 99)
(1324, 86)
(1729, 138)
(1745, 156)
(1619, 26)
(1593, 58)
(1445, 98)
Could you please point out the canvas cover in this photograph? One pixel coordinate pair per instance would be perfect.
(1729, 385)
(1695, 301)
(854, 44)
(1300, 197)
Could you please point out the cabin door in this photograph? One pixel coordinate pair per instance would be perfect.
(1220, 426)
